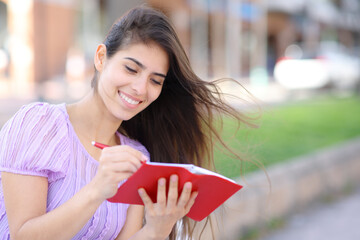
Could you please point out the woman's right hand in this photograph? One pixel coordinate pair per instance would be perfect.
(115, 164)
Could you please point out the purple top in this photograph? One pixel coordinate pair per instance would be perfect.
(39, 140)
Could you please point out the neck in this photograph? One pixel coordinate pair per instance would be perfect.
(92, 121)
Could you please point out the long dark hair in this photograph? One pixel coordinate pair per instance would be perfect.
(179, 126)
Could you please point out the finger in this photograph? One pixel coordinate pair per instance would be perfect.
(161, 192)
(191, 202)
(124, 167)
(116, 156)
(127, 149)
(146, 199)
(122, 176)
(114, 177)
(116, 167)
(185, 194)
(173, 191)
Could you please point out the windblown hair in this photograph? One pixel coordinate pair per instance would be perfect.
(181, 125)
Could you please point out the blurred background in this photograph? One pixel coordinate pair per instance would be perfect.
(47, 46)
(300, 58)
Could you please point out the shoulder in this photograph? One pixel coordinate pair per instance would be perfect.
(43, 110)
(38, 111)
(36, 122)
(34, 119)
(34, 139)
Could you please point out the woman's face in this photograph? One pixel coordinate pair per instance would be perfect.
(132, 79)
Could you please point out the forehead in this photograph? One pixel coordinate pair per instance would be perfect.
(151, 55)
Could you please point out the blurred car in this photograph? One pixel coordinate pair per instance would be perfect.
(330, 66)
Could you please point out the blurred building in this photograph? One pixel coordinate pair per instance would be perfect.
(41, 40)
(36, 38)
(310, 23)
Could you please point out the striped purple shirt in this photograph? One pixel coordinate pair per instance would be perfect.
(39, 140)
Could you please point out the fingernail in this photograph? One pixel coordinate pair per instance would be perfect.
(188, 185)
(162, 181)
(141, 191)
(144, 158)
(174, 178)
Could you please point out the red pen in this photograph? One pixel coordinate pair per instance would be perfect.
(99, 145)
(102, 146)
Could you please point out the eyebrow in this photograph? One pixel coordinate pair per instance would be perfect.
(143, 67)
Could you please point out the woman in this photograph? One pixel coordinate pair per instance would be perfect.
(145, 102)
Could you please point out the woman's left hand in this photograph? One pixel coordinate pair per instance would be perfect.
(162, 215)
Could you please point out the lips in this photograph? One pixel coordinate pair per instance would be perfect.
(129, 99)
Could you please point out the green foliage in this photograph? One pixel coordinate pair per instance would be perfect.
(291, 130)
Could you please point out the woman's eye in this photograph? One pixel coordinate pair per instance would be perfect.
(131, 70)
(156, 82)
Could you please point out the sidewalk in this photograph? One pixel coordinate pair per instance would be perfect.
(331, 221)
(297, 185)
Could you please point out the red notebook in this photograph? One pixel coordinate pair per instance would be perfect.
(213, 189)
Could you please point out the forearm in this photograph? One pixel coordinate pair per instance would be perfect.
(63, 222)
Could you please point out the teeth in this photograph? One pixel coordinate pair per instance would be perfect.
(131, 101)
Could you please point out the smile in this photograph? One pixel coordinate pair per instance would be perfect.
(129, 100)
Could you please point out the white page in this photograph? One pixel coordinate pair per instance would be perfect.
(192, 168)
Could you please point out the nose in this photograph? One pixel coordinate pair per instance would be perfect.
(140, 85)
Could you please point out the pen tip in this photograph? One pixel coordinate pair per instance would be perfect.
(93, 143)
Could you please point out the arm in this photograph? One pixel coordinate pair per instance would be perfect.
(25, 202)
(25, 198)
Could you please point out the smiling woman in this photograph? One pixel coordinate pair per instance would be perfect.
(133, 75)
(145, 103)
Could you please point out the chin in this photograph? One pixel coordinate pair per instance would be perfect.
(126, 117)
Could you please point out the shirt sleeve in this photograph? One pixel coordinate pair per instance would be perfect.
(34, 142)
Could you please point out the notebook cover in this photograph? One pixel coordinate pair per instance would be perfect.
(212, 190)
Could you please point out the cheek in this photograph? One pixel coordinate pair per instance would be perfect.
(155, 93)
(103, 86)
(110, 80)
(106, 88)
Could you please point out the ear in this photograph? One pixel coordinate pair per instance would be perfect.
(100, 57)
